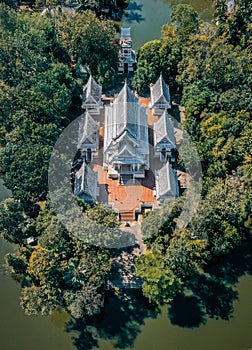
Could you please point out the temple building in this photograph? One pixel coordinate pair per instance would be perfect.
(126, 144)
(160, 96)
(166, 183)
(123, 127)
(164, 139)
(85, 185)
(88, 140)
(127, 56)
(91, 98)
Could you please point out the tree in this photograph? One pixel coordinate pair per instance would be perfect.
(160, 283)
(103, 216)
(15, 225)
(37, 300)
(184, 255)
(90, 41)
(186, 20)
(220, 217)
(17, 265)
(25, 159)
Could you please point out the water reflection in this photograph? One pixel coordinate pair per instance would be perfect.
(146, 17)
(207, 296)
(120, 322)
(204, 7)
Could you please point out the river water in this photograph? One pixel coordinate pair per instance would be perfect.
(146, 17)
(19, 332)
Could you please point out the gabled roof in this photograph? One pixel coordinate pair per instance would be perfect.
(91, 93)
(127, 154)
(164, 131)
(86, 183)
(88, 132)
(166, 182)
(126, 112)
(126, 123)
(160, 94)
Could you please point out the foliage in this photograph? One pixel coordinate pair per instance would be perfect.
(40, 84)
(61, 272)
(103, 216)
(90, 42)
(185, 19)
(160, 284)
(15, 225)
(165, 269)
(155, 57)
(213, 70)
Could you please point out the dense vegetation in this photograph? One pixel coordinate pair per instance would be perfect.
(211, 65)
(41, 84)
(41, 80)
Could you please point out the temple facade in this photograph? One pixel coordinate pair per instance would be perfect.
(86, 185)
(164, 139)
(160, 97)
(91, 98)
(127, 56)
(126, 144)
(88, 140)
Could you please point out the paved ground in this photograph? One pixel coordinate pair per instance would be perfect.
(126, 199)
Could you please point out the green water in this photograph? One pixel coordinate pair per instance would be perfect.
(19, 332)
(146, 17)
(236, 334)
(136, 328)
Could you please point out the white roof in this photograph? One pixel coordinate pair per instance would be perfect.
(164, 131)
(86, 183)
(88, 132)
(160, 94)
(91, 93)
(166, 183)
(126, 122)
(125, 33)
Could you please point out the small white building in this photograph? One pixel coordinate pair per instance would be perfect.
(88, 140)
(166, 183)
(164, 138)
(127, 56)
(91, 98)
(160, 96)
(85, 185)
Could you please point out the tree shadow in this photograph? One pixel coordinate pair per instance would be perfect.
(85, 339)
(215, 297)
(209, 294)
(133, 6)
(186, 311)
(213, 292)
(232, 266)
(133, 16)
(120, 321)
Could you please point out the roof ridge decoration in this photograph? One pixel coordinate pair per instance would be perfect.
(164, 129)
(92, 92)
(88, 131)
(127, 93)
(160, 94)
(86, 183)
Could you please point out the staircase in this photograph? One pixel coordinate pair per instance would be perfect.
(127, 215)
